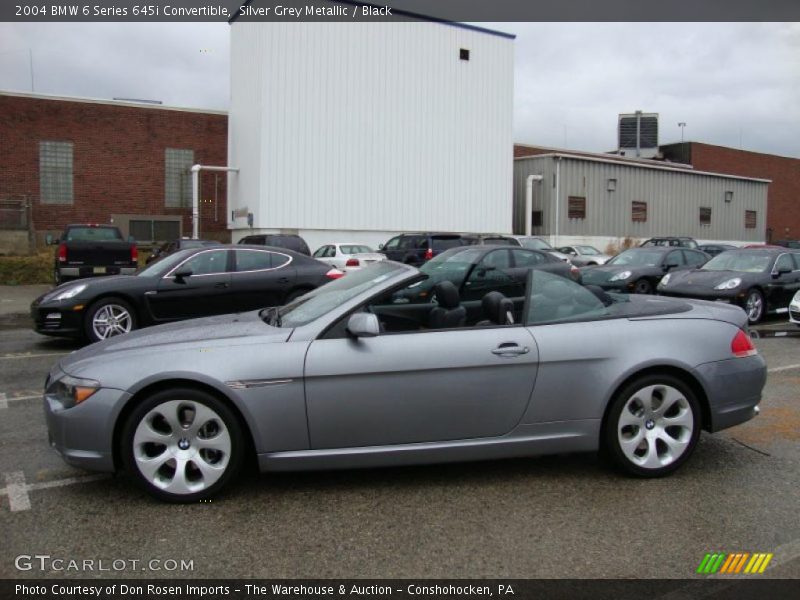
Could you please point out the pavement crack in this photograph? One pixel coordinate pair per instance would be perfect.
(754, 449)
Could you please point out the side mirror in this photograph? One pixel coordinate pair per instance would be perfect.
(670, 266)
(380, 246)
(181, 275)
(363, 325)
(782, 271)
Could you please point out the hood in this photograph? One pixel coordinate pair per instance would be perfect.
(703, 279)
(94, 285)
(603, 273)
(208, 331)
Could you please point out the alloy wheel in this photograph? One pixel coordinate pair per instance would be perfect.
(754, 306)
(182, 447)
(111, 320)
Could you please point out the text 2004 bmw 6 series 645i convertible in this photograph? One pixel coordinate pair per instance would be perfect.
(354, 375)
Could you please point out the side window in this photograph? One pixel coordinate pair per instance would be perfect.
(253, 260)
(278, 260)
(784, 262)
(796, 261)
(555, 298)
(488, 275)
(675, 258)
(498, 259)
(392, 244)
(330, 252)
(693, 258)
(523, 258)
(320, 252)
(406, 242)
(207, 263)
(421, 243)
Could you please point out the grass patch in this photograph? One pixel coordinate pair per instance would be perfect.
(26, 270)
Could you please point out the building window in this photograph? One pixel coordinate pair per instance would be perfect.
(177, 177)
(729, 196)
(153, 230)
(536, 218)
(463, 54)
(55, 172)
(750, 219)
(576, 207)
(705, 215)
(638, 212)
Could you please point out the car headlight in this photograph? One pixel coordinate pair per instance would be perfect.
(71, 391)
(621, 276)
(730, 284)
(665, 279)
(70, 292)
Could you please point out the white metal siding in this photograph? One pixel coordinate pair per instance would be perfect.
(380, 126)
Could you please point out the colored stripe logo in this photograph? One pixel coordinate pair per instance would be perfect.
(736, 563)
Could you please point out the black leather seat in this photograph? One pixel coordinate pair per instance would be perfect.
(497, 309)
(449, 313)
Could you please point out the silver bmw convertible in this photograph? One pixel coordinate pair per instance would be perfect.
(362, 373)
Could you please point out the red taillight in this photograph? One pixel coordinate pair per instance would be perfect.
(62, 253)
(574, 271)
(334, 274)
(134, 254)
(429, 254)
(742, 345)
(352, 262)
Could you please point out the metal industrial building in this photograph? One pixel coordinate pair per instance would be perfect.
(596, 199)
(352, 131)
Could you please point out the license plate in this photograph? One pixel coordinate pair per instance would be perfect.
(99, 270)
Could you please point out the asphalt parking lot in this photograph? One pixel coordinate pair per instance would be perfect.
(562, 516)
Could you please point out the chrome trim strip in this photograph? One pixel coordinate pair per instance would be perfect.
(256, 383)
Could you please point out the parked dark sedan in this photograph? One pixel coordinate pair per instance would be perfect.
(714, 249)
(760, 280)
(638, 270)
(189, 283)
(476, 270)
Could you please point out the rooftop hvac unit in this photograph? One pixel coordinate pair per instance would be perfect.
(638, 134)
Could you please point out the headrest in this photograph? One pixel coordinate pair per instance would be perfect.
(446, 294)
(498, 308)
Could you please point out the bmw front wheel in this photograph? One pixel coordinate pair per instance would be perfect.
(182, 445)
(653, 426)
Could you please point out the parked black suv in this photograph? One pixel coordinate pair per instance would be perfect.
(416, 248)
(278, 240)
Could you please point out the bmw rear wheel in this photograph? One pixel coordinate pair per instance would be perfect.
(182, 445)
(107, 318)
(754, 306)
(653, 426)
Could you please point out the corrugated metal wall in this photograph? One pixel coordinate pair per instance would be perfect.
(673, 200)
(374, 126)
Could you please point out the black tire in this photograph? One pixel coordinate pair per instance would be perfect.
(163, 401)
(113, 304)
(643, 286)
(755, 306)
(658, 431)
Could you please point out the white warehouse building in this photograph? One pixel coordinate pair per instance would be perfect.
(354, 132)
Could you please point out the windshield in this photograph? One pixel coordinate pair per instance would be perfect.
(749, 262)
(162, 265)
(355, 249)
(534, 244)
(328, 297)
(634, 256)
(588, 250)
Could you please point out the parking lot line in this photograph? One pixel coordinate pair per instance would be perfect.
(786, 368)
(17, 489)
(17, 355)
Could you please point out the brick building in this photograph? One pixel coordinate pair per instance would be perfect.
(81, 161)
(783, 199)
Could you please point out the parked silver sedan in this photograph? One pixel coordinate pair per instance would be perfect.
(585, 256)
(351, 375)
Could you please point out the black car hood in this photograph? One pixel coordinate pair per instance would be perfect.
(99, 285)
(703, 279)
(206, 331)
(603, 273)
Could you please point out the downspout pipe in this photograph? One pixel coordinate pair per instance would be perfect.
(529, 200)
(196, 193)
(558, 185)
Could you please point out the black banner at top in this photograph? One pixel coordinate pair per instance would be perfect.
(399, 10)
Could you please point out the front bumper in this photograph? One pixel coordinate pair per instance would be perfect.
(737, 297)
(83, 435)
(733, 388)
(57, 319)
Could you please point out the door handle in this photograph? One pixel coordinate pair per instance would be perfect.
(510, 350)
(221, 285)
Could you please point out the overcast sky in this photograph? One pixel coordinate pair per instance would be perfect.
(733, 84)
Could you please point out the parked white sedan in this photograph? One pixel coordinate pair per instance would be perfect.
(348, 256)
(794, 310)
